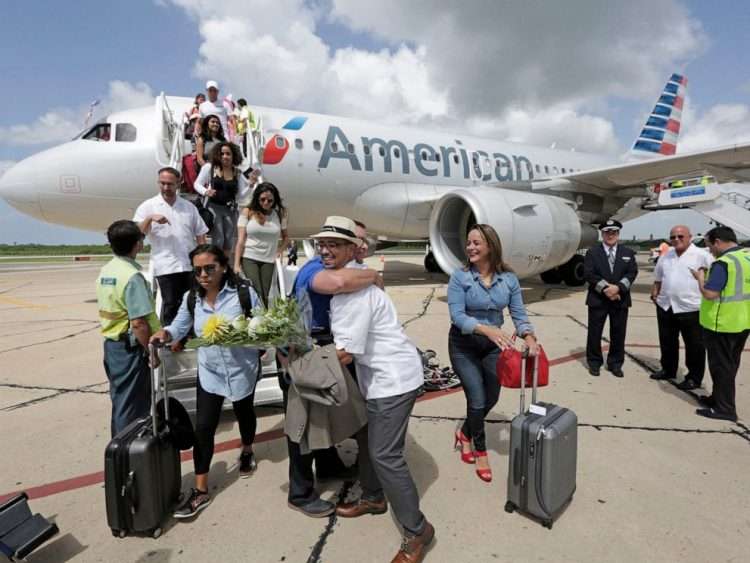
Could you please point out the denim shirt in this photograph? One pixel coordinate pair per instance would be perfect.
(227, 371)
(471, 303)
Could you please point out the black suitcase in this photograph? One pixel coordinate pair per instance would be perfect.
(543, 457)
(142, 474)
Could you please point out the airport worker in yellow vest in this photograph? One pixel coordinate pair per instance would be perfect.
(128, 319)
(725, 318)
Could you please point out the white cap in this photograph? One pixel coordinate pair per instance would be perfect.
(212, 84)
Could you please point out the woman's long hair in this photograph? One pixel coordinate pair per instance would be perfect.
(206, 134)
(260, 189)
(490, 236)
(216, 154)
(229, 278)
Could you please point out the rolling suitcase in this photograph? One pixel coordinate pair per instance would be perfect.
(543, 453)
(142, 474)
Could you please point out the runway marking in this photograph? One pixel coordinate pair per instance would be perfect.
(21, 303)
(89, 479)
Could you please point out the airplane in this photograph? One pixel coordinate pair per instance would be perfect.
(404, 183)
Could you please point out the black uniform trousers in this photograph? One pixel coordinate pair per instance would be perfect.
(618, 322)
(671, 326)
(724, 354)
(173, 287)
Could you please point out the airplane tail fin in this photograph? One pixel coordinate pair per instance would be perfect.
(662, 129)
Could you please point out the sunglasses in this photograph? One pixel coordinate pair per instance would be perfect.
(676, 237)
(266, 200)
(210, 269)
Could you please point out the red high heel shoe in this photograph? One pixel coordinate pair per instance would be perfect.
(484, 474)
(458, 443)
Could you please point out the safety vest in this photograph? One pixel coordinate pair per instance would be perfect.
(731, 311)
(110, 294)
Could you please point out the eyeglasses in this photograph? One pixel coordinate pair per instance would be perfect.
(210, 269)
(675, 237)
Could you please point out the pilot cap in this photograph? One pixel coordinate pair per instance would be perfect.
(212, 84)
(610, 225)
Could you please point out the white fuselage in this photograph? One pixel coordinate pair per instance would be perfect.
(323, 165)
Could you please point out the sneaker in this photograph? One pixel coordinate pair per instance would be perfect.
(248, 465)
(193, 504)
(317, 508)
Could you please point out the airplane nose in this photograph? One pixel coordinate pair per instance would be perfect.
(18, 187)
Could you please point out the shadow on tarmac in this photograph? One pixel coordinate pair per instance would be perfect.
(62, 549)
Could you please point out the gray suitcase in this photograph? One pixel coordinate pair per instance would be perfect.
(543, 453)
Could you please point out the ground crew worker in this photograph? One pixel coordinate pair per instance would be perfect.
(725, 318)
(128, 318)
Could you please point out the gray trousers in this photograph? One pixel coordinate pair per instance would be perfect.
(126, 366)
(387, 421)
(224, 232)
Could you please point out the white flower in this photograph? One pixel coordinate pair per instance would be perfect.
(254, 324)
(240, 324)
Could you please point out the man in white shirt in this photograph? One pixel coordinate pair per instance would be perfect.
(678, 298)
(174, 228)
(366, 330)
(214, 106)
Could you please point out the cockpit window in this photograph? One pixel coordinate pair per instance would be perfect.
(99, 132)
(125, 132)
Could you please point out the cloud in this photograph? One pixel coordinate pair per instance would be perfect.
(62, 124)
(720, 125)
(490, 67)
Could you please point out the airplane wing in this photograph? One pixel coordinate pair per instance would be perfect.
(731, 163)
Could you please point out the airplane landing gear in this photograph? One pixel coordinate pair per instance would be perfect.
(431, 265)
(571, 273)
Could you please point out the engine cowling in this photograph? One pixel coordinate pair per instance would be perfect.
(538, 232)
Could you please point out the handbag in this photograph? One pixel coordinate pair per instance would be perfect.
(510, 365)
(205, 213)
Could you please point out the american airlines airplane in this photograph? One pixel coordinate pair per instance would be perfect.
(404, 183)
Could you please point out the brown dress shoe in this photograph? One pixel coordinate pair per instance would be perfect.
(413, 547)
(361, 507)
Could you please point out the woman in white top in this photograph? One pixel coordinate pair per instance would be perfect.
(261, 234)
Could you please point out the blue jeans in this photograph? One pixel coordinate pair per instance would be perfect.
(474, 359)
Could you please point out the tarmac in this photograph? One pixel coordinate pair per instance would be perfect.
(655, 482)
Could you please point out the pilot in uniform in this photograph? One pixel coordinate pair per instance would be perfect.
(610, 270)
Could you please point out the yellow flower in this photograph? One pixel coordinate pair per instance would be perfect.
(215, 327)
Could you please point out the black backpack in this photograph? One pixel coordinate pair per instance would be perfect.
(243, 292)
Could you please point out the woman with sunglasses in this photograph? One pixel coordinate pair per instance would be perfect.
(478, 294)
(262, 235)
(223, 372)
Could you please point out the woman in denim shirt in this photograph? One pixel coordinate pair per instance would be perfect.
(223, 372)
(477, 295)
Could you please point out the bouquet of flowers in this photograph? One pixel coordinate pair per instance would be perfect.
(279, 325)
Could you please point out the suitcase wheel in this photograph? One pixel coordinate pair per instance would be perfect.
(510, 507)
(547, 524)
(156, 533)
(119, 533)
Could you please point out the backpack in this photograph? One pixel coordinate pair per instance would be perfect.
(243, 292)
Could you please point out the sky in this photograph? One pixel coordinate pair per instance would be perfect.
(581, 74)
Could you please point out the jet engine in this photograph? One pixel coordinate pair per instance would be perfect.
(538, 232)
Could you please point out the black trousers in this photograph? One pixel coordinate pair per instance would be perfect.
(618, 324)
(724, 354)
(208, 411)
(671, 326)
(172, 287)
(301, 476)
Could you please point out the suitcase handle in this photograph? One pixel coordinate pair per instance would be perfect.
(131, 492)
(158, 380)
(534, 378)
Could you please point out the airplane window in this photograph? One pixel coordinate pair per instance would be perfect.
(546, 169)
(125, 132)
(381, 151)
(562, 170)
(538, 169)
(280, 141)
(316, 145)
(474, 158)
(350, 148)
(396, 152)
(334, 146)
(554, 169)
(99, 132)
(423, 155)
(298, 143)
(437, 157)
(367, 149)
(455, 158)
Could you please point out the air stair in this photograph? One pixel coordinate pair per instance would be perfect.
(726, 204)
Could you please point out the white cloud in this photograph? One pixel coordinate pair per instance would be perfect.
(720, 125)
(62, 124)
(536, 72)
